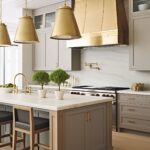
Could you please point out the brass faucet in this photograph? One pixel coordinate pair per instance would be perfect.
(93, 65)
(26, 89)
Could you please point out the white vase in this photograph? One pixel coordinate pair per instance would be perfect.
(59, 95)
(42, 93)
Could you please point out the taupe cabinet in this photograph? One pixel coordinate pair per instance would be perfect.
(86, 128)
(49, 54)
(139, 37)
(134, 112)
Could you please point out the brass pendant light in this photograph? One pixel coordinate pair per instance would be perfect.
(26, 32)
(4, 36)
(65, 27)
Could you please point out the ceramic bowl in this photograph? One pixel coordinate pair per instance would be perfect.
(6, 90)
(143, 6)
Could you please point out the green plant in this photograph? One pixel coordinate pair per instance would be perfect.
(41, 77)
(59, 76)
(9, 85)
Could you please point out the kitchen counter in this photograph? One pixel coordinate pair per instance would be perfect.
(50, 103)
(134, 92)
(70, 117)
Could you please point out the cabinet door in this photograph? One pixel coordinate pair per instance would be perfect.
(96, 128)
(39, 52)
(74, 130)
(65, 59)
(51, 54)
(141, 45)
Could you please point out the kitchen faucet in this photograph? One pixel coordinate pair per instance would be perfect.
(27, 89)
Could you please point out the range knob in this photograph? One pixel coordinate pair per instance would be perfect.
(103, 95)
(82, 94)
(97, 95)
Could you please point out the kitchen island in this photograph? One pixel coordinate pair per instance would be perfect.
(76, 123)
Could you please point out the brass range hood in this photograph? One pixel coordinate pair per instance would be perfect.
(101, 23)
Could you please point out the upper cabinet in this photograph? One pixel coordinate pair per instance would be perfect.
(50, 54)
(140, 5)
(140, 35)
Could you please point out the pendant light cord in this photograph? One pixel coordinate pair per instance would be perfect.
(26, 7)
(1, 11)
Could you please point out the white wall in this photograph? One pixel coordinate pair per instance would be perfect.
(114, 64)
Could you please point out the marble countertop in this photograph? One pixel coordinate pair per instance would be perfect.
(134, 92)
(50, 103)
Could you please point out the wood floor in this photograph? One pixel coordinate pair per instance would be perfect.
(125, 141)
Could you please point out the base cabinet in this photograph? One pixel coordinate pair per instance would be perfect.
(86, 128)
(134, 112)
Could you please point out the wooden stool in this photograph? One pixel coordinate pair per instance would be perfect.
(25, 123)
(6, 118)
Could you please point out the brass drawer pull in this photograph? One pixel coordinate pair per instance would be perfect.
(133, 122)
(131, 109)
(88, 116)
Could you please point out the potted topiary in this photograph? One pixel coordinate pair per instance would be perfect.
(42, 78)
(59, 77)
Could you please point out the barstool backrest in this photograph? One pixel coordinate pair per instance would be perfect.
(23, 115)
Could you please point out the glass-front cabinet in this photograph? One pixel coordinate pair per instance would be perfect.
(38, 21)
(141, 5)
(44, 20)
(49, 19)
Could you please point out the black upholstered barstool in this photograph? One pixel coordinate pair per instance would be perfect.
(26, 123)
(6, 118)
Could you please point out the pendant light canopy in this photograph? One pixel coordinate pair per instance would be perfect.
(65, 27)
(26, 32)
(4, 36)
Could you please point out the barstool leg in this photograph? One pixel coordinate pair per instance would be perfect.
(24, 140)
(11, 128)
(0, 134)
(14, 139)
(38, 140)
(32, 138)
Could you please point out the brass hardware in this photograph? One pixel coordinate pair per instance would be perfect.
(86, 117)
(27, 89)
(65, 27)
(131, 109)
(133, 122)
(92, 65)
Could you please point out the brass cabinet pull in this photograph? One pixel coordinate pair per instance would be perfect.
(133, 122)
(131, 109)
(90, 116)
(87, 116)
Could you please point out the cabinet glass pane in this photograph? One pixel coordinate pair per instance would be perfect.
(49, 19)
(141, 5)
(38, 21)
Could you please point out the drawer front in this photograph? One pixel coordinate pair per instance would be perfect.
(134, 100)
(135, 124)
(135, 112)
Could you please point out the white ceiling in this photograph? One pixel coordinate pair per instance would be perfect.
(32, 4)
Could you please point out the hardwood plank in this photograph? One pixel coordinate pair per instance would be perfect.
(125, 141)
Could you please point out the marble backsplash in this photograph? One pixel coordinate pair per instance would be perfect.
(114, 68)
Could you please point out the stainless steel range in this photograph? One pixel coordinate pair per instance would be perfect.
(102, 92)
